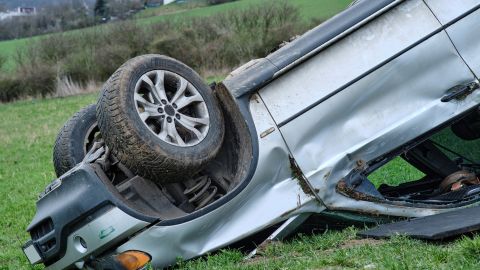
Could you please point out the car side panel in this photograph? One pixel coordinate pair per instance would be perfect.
(349, 58)
(272, 195)
(464, 35)
(447, 11)
(384, 110)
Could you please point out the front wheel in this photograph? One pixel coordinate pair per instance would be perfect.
(160, 119)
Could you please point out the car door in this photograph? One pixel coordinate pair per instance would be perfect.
(462, 22)
(368, 93)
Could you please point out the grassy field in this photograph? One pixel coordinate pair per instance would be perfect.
(27, 133)
(310, 9)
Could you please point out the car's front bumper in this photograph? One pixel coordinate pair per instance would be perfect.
(76, 216)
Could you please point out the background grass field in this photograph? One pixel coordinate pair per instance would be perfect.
(27, 134)
(310, 9)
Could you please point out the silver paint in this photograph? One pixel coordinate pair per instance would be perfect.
(448, 10)
(464, 35)
(123, 224)
(273, 195)
(349, 58)
(382, 111)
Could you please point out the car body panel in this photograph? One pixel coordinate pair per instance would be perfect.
(389, 107)
(99, 234)
(348, 59)
(257, 74)
(466, 39)
(447, 11)
(273, 195)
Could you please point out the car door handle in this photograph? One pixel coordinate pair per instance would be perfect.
(460, 91)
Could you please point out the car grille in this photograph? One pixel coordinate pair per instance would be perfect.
(42, 229)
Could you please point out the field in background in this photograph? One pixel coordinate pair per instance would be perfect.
(310, 9)
(27, 134)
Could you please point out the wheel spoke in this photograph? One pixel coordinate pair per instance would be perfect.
(181, 90)
(185, 101)
(165, 116)
(150, 97)
(148, 81)
(190, 123)
(144, 116)
(163, 133)
(193, 121)
(159, 90)
(149, 112)
(143, 101)
(173, 133)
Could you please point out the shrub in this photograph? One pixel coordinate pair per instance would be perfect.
(211, 45)
(10, 89)
(3, 61)
(216, 2)
(224, 41)
(28, 82)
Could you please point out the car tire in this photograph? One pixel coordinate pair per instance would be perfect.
(160, 119)
(75, 139)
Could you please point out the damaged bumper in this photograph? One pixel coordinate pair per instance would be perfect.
(76, 216)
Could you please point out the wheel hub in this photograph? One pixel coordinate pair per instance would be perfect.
(170, 110)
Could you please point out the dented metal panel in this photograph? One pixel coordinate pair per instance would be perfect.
(447, 10)
(98, 235)
(257, 73)
(349, 59)
(273, 195)
(467, 41)
(380, 112)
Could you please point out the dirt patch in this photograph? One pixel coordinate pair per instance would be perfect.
(260, 256)
(298, 175)
(360, 242)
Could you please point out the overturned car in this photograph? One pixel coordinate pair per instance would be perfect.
(164, 167)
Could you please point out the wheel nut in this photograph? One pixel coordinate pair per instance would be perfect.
(177, 116)
(169, 119)
(164, 101)
(174, 105)
(160, 110)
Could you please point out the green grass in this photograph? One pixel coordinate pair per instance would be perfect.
(27, 133)
(309, 9)
(341, 250)
(9, 48)
(403, 172)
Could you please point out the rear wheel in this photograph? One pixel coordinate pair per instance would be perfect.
(75, 139)
(160, 119)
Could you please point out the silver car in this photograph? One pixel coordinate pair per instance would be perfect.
(182, 169)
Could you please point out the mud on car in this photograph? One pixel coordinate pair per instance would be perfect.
(166, 167)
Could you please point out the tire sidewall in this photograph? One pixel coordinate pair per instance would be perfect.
(69, 146)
